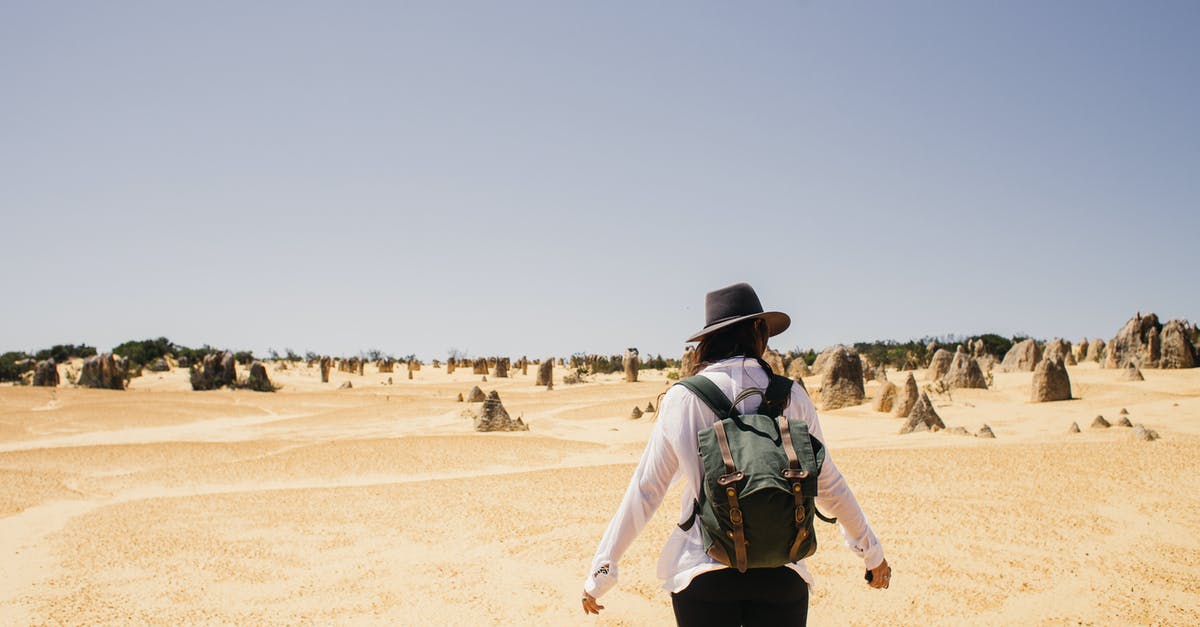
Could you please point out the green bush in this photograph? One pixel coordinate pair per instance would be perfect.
(9, 370)
(143, 352)
(60, 353)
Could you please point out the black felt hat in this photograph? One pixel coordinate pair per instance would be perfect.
(730, 305)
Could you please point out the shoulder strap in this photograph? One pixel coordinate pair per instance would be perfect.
(708, 392)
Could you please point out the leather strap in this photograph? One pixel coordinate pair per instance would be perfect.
(728, 481)
(794, 474)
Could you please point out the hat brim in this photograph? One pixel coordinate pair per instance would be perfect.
(777, 322)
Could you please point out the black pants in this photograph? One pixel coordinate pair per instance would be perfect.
(727, 598)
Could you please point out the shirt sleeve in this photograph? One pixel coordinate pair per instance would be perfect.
(834, 497)
(654, 474)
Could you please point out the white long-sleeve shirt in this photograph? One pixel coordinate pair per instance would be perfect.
(672, 453)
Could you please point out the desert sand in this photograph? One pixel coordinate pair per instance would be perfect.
(380, 504)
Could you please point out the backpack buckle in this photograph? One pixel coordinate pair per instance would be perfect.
(732, 477)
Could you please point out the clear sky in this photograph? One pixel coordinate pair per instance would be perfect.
(549, 177)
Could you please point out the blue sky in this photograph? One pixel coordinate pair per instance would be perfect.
(548, 177)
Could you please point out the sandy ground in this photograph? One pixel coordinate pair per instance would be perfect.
(380, 505)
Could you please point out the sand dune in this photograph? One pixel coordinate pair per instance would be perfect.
(379, 504)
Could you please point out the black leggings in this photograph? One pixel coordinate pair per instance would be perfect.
(727, 598)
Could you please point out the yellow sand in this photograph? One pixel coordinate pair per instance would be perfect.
(380, 505)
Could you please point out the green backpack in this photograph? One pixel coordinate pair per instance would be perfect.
(760, 479)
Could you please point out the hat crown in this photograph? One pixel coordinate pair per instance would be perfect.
(727, 303)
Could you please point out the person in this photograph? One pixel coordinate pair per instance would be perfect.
(705, 592)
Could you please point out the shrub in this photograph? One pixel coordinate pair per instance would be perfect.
(139, 353)
(11, 367)
(61, 353)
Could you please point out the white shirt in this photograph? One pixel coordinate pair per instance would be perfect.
(672, 453)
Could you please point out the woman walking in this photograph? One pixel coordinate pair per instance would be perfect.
(722, 591)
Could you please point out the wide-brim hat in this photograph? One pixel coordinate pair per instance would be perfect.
(737, 303)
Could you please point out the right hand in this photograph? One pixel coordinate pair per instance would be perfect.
(881, 576)
(590, 605)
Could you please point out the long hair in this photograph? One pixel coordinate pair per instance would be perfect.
(745, 339)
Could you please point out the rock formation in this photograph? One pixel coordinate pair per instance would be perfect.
(104, 371)
(986, 433)
(1022, 357)
(386, 366)
(45, 374)
(636, 413)
(964, 372)
(797, 368)
(545, 373)
(887, 397)
(1177, 350)
(939, 364)
(906, 399)
(842, 385)
(1133, 343)
(1095, 350)
(1141, 433)
(631, 364)
(1059, 348)
(923, 414)
(1074, 428)
(502, 368)
(1123, 421)
(476, 395)
(1050, 381)
(215, 371)
(821, 363)
(479, 366)
(650, 408)
(258, 379)
(1100, 423)
(687, 362)
(494, 417)
(326, 364)
(346, 386)
(775, 361)
(161, 365)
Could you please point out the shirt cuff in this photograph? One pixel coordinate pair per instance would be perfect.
(603, 579)
(873, 557)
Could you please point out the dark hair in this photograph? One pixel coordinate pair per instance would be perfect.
(745, 339)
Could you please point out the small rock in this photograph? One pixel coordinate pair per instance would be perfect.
(1074, 428)
(460, 397)
(1140, 432)
(958, 431)
(649, 408)
(1124, 412)
(985, 432)
(346, 386)
(476, 395)
(1100, 423)
(1124, 422)
(636, 413)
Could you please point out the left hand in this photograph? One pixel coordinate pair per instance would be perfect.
(590, 605)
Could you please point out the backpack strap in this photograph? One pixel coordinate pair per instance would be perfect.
(708, 392)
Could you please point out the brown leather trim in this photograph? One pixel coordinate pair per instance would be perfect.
(735, 510)
(723, 442)
(788, 449)
(718, 553)
(797, 493)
